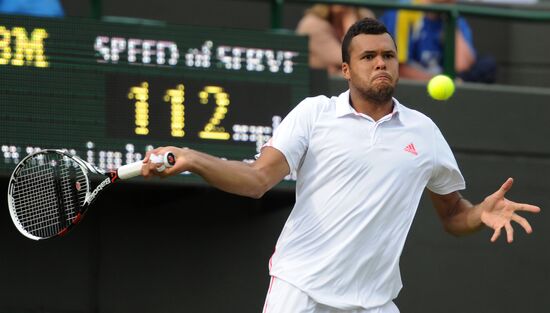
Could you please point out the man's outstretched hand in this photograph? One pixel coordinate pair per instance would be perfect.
(498, 212)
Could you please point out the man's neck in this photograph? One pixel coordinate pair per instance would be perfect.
(373, 109)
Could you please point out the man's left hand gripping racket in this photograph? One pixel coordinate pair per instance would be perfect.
(49, 191)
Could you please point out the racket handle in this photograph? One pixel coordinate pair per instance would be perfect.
(134, 169)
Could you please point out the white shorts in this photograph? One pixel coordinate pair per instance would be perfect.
(282, 297)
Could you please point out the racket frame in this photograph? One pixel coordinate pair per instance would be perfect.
(129, 171)
(84, 166)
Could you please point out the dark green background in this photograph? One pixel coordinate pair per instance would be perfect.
(70, 102)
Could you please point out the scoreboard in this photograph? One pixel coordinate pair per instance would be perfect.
(109, 91)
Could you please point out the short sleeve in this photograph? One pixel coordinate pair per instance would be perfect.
(292, 136)
(446, 176)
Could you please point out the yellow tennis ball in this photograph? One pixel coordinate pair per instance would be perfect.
(441, 87)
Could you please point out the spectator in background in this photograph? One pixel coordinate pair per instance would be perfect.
(47, 8)
(326, 26)
(420, 44)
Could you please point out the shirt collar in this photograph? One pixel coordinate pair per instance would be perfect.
(343, 107)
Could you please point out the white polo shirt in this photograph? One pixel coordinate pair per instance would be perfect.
(358, 186)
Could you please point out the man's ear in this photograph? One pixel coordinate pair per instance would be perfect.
(345, 71)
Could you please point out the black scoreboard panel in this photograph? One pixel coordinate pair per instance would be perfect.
(110, 91)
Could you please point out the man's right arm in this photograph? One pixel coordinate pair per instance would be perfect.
(245, 179)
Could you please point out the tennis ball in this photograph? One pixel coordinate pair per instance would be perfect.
(441, 87)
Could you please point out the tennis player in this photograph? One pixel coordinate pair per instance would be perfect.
(362, 161)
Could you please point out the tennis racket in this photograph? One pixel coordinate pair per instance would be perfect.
(50, 191)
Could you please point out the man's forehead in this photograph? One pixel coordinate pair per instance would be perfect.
(369, 42)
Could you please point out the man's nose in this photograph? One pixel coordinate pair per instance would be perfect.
(380, 63)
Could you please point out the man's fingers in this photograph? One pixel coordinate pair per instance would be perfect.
(527, 207)
(145, 170)
(157, 151)
(523, 222)
(506, 186)
(496, 234)
(154, 162)
(150, 168)
(148, 155)
(509, 232)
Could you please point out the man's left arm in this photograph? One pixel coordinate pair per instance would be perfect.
(460, 217)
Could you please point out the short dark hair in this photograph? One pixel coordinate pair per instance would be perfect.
(367, 26)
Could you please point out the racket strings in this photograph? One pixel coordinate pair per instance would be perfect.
(48, 193)
(48, 205)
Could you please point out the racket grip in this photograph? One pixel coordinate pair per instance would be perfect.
(130, 170)
(167, 160)
(134, 169)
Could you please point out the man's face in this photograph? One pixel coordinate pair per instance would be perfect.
(373, 67)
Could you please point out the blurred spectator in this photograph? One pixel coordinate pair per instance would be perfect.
(326, 26)
(420, 44)
(48, 8)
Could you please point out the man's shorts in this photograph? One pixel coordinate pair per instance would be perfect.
(282, 297)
